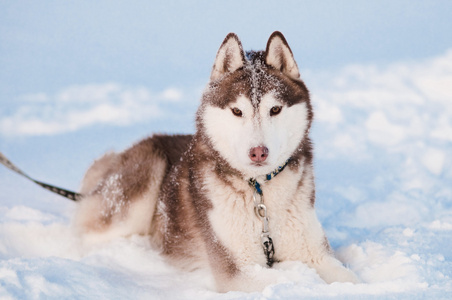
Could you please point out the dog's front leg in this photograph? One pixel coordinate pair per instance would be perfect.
(319, 254)
(236, 270)
(238, 265)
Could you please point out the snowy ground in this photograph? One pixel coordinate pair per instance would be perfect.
(383, 140)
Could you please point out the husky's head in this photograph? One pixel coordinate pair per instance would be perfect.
(255, 111)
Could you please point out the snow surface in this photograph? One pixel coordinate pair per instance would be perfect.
(383, 139)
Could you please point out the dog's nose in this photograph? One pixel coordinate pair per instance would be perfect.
(258, 154)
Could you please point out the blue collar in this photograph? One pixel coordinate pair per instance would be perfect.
(253, 182)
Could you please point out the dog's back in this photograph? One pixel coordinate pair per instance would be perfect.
(120, 185)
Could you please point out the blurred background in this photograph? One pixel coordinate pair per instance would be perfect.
(78, 78)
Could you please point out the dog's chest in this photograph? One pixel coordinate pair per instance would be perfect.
(234, 220)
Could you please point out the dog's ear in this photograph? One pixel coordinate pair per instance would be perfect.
(230, 57)
(279, 56)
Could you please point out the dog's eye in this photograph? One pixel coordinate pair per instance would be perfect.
(237, 112)
(275, 110)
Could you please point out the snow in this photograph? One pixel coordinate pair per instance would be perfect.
(382, 140)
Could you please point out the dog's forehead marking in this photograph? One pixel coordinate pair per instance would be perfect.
(255, 69)
(261, 82)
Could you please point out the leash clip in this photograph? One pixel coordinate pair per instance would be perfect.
(261, 212)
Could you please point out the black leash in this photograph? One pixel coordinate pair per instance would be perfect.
(62, 192)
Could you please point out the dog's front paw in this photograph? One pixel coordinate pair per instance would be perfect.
(331, 270)
(340, 274)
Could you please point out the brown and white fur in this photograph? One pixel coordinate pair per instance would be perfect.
(191, 194)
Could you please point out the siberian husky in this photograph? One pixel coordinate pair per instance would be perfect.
(236, 194)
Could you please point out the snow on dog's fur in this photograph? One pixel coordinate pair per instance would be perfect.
(191, 194)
